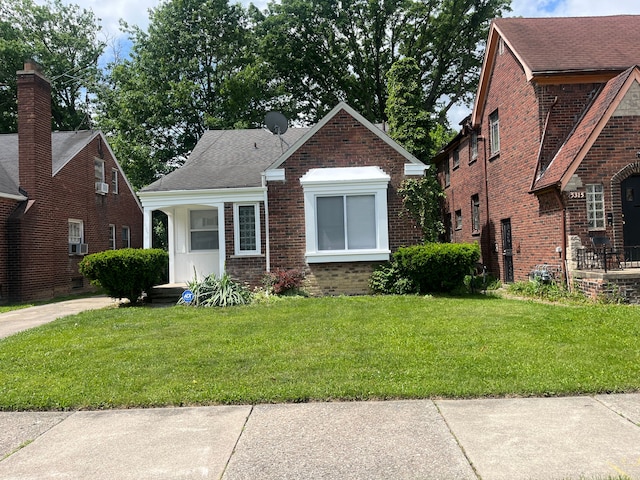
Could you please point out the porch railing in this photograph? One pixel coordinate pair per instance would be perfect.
(608, 258)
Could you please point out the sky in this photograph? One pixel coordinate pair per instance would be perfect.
(136, 13)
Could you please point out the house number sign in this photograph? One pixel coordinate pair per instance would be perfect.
(573, 195)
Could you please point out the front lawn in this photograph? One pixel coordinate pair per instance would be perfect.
(321, 349)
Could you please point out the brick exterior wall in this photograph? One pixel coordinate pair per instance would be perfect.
(342, 142)
(535, 120)
(34, 249)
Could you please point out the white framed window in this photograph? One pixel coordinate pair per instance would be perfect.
(76, 238)
(203, 229)
(246, 226)
(126, 237)
(114, 180)
(458, 219)
(112, 237)
(595, 207)
(346, 214)
(99, 170)
(494, 132)
(76, 231)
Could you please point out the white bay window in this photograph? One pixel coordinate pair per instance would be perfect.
(346, 214)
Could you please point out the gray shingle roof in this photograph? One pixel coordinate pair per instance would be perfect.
(227, 159)
(64, 146)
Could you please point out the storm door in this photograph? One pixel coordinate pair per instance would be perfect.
(631, 215)
(507, 250)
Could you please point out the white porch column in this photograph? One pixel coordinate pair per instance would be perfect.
(147, 228)
(171, 241)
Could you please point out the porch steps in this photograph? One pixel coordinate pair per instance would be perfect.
(167, 294)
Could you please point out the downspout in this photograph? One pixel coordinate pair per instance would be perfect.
(563, 227)
(267, 251)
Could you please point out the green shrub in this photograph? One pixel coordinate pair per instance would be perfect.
(217, 292)
(436, 267)
(386, 279)
(125, 273)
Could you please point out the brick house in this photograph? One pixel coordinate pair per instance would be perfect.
(545, 169)
(321, 199)
(62, 195)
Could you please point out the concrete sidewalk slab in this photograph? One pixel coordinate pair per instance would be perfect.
(625, 404)
(358, 440)
(544, 438)
(176, 443)
(18, 320)
(19, 428)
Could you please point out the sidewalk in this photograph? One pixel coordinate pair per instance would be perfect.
(524, 438)
(586, 438)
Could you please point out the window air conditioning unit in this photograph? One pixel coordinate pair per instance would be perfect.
(102, 188)
(78, 249)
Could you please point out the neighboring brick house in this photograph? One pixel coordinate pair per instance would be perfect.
(62, 195)
(549, 157)
(321, 199)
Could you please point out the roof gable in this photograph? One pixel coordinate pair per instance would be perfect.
(549, 47)
(609, 103)
(359, 118)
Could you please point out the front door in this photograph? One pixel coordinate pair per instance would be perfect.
(507, 250)
(631, 216)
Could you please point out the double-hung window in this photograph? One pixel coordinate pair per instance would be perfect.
(76, 238)
(203, 228)
(126, 237)
(475, 214)
(112, 237)
(595, 206)
(474, 146)
(99, 177)
(494, 133)
(247, 228)
(346, 214)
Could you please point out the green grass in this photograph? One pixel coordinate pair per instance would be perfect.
(303, 349)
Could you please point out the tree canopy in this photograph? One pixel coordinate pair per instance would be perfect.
(211, 64)
(64, 40)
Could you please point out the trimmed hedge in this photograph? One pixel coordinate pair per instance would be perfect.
(125, 273)
(432, 267)
(436, 267)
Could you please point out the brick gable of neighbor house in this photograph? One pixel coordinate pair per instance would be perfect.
(35, 254)
(342, 142)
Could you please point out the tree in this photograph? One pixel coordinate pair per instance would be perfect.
(409, 125)
(329, 50)
(194, 69)
(63, 39)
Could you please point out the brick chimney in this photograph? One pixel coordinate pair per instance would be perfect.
(34, 130)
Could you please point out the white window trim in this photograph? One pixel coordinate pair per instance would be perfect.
(494, 133)
(340, 182)
(114, 180)
(81, 224)
(215, 229)
(236, 229)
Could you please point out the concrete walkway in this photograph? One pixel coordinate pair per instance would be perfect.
(525, 438)
(584, 438)
(18, 320)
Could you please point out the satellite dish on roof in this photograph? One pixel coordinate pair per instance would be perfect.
(276, 123)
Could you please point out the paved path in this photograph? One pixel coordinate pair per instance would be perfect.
(25, 318)
(584, 438)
